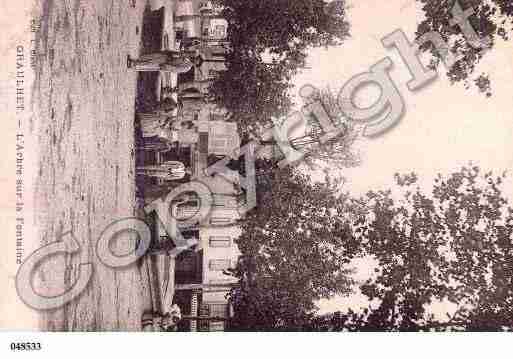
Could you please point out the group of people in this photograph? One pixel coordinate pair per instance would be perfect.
(166, 61)
(161, 131)
(169, 171)
(160, 127)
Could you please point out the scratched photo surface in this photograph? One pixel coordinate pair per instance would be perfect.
(259, 165)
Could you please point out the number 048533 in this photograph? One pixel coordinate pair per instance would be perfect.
(25, 346)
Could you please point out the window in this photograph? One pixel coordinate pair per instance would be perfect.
(186, 210)
(219, 142)
(218, 265)
(165, 42)
(224, 201)
(220, 220)
(218, 310)
(216, 116)
(219, 242)
(220, 31)
(217, 326)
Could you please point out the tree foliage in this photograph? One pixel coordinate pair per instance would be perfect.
(453, 246)
(339, 152)
(333, 155)
(492, 18)
(295, 250)
(269, 40)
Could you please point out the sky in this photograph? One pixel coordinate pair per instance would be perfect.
(445, 126)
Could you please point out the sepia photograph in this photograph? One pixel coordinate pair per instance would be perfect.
(257, 166)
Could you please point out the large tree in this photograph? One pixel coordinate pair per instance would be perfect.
(269, 42)
(454, 245)
(295, 246)
(336, 154)
(492, 18)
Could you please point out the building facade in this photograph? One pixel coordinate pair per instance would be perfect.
(204, 135)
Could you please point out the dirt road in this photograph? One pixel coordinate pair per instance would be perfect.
(84, 97)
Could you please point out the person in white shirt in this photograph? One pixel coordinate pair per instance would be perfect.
(158, 131)
(152, 125)
(169, 171)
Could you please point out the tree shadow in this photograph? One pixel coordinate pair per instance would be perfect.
(151, 40)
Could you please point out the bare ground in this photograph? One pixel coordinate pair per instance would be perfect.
(84, 98)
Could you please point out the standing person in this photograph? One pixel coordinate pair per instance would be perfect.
(152, 124)
(169, 171)
(158, 132)
(166, 61)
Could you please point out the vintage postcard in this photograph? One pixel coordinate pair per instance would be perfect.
(256, 165)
